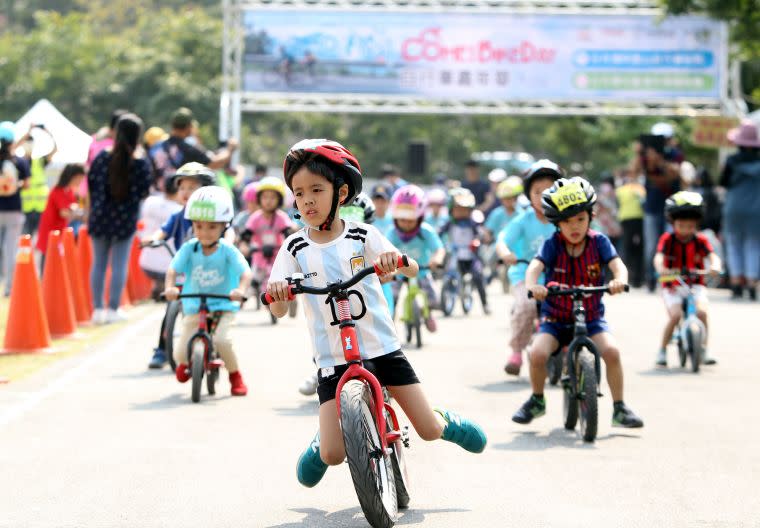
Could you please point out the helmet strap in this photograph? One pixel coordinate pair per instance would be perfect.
(327, 225)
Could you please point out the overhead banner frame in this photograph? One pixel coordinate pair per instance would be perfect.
(236, 99)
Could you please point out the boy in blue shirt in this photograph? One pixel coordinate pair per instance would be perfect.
(516, 245)
(210, 265)
(574, 256)
(417, 239)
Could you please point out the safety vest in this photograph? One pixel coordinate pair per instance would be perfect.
(34, 197)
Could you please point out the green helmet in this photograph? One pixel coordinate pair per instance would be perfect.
(210, 204)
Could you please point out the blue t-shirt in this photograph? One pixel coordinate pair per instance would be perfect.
(177, 227)
(217, 273)
(498, 219)
(587, 269)
(421, 248)
(437, 222)
(384, 225)
(524, 236)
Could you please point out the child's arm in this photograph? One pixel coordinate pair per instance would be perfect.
(535, 269)
(278, 290)
(170, 289)
(505, 254)
(716, 266)
(387, 263)
(619, 274)
(245, 279)
(436, 260)
(659, 263)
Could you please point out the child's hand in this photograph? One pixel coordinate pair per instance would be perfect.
(716, 270)
(386, 262)
(278, 291)
(616, 286)
(172, 293)
(510, 260)
(539, 292)
(237, 294)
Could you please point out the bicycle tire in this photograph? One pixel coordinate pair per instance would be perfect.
(466, 296)
(173, 310)
(448, 296)
(683, 351)
(197, 351)
(400, 473)
(211, 380)
(371, 471)
(694, 344)
(588, 404)
(417, 318)
(569, 399)
(554, 368)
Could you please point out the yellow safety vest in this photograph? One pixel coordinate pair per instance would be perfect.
(34, 197)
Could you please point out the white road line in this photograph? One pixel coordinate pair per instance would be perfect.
(121, 340)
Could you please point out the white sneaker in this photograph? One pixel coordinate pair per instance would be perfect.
(309, 386)
(99, 316)
(115, 316)
(662, 358)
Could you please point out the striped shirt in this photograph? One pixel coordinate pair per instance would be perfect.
(690, 255)
(587, 269)
(357, 247)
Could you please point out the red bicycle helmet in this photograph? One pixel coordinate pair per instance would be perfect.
(347, 167)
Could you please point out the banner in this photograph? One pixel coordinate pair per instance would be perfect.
(484, 56)
(710, 132)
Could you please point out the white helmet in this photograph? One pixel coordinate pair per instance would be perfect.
(663, 129)
(497, 175)
(210, 204)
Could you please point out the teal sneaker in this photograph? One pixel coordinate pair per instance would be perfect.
(462, 432)
(533, 408)
(310, 468)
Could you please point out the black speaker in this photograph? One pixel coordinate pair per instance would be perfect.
(417, 158)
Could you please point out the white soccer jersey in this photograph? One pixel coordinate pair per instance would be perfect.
(357, 247)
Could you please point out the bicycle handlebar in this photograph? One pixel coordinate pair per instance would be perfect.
(157, 244)
(555, 291)
(206, 295)
(298, 288)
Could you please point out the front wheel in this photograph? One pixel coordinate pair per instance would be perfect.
(587, 390)
(371, 469)
(569, 397)
(694, 344)
(467, 295)
(554, 368)
(173, 313)
(448, 296)
(197, 352)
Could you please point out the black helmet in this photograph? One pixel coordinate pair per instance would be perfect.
(685, 205)
(543, 168)
(566, 198)
(196, 171)
(366, 203)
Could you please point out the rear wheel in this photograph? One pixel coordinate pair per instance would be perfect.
(467, 295)
(197, 351)
(398, 461)
(211, 380)
(448, 296)
(554, 367)
(694, 344)
(173, 313)
(371, 469)
(587, 390)
(683, 348)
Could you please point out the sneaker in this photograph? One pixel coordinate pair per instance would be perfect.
(310, 468)
(514, 364)
(622, 416)
(309, 385)
(737, 291)
(461, 431)
(662, 358)
(533, 408)
(99, 316)
(707, 359)
(182, 373)
(158, 360)
(486, 309)
(430, 324)
(752, 291)
(238, 385)
(115, 316)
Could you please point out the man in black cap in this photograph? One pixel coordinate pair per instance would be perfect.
(477, 186)
(381, 195)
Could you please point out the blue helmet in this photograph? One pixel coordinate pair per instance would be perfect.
(7, 132)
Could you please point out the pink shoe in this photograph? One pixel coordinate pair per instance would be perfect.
(514, 364)
(430, 324)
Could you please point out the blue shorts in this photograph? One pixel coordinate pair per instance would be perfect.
(563, 332)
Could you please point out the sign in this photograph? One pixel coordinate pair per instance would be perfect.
(710, 132)
(482, 56)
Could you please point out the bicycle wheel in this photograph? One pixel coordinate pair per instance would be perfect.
(694, 344)
(197, 352)
(554, 367)
(173, 311)
(587, 389)
(448, 296)
(211, 379)
(417, 318)
(398, 461)
(569, 398)
(466, 295)
(371, 469)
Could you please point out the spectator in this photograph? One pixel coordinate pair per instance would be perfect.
(606, 209)
(176, 150)
(704, 185)
(61, 206)
(477, 186)
(630, 196)
(381, 195)
(14, 176)
(741, 212)
(103, 138)
(34, 197)
(259, 172)
(118, 181)
(391, 176)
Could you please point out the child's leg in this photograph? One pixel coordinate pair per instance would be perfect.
(674, 316)
(223, 343)
(477, 278)
(607, 346)
(522, 323)
(426, 283)
(543, 346)
(332, 451)
(415, 405)
(702, 307)
(189, 327)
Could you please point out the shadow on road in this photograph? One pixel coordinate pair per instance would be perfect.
(143, 374)
(559, 437)
(660, 372)
(353, 517)
(176, 400)
(306, 408)
(513, 385)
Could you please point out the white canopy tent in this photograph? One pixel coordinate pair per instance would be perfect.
(72, 142)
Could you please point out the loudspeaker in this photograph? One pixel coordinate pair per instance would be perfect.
(417, 157)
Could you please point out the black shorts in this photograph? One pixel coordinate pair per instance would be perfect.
(390, 369)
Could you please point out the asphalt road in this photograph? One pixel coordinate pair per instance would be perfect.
(100, 441)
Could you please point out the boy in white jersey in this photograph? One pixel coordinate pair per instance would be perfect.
(323, 175)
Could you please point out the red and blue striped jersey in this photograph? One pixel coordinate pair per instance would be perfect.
(587, 269)
(690, 255)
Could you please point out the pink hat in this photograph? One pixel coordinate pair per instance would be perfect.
(745, 135)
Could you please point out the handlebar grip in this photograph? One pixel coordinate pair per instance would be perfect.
(267, 299)
(403, 261)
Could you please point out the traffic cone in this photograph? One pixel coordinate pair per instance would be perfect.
(81, 306)
(26, 329)
(56, 289)
(84, 255)
(139, 284)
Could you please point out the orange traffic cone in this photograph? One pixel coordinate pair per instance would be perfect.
(26, 329)
(138, 283)
(81, 306)
(56, 289)
(84, 255)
